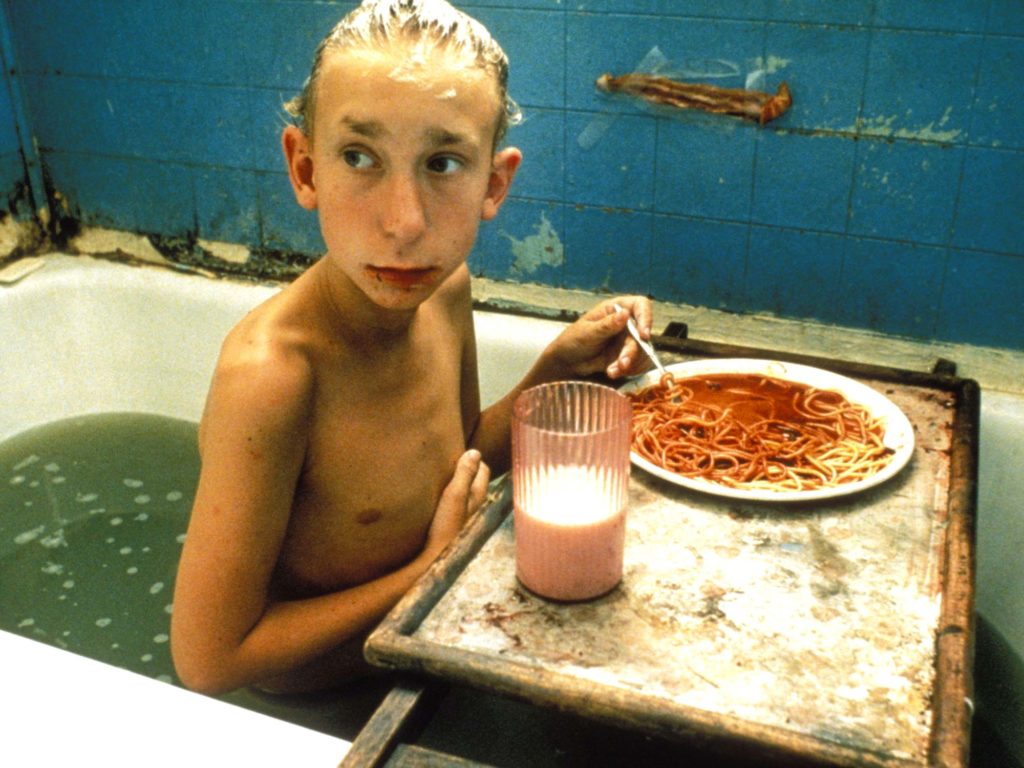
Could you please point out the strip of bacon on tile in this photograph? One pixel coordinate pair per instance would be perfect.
(748, 104)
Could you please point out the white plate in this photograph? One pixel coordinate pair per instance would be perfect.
(899, 434)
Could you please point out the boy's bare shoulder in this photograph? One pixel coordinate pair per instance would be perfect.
(265, 363)
(270, 333)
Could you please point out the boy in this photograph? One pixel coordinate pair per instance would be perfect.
(334, 440)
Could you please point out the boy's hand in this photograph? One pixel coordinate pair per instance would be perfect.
(463, 496)
(598, 341)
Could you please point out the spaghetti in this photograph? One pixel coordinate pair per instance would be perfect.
(756, 432)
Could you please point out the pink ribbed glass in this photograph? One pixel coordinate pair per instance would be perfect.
(570, 488)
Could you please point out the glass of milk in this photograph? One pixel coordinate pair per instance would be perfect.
(570, 488)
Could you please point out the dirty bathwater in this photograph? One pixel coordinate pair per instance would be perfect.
(93, 512)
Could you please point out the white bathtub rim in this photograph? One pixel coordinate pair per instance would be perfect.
(51, 374)
(54, 376)
(140, 721)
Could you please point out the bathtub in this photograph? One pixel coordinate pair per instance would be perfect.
(89, 336)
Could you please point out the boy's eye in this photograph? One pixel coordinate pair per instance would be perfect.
(444, 164)
(357, 159)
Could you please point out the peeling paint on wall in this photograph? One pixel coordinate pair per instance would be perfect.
(888, 127)
(534, 251)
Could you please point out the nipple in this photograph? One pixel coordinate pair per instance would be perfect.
(369, 516)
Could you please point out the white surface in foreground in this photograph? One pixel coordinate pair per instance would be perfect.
(61, 709)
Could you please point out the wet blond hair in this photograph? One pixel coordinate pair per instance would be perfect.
(435, 24)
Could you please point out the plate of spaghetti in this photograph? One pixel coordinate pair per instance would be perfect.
(765, 430)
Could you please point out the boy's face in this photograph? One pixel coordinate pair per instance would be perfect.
(402, 168)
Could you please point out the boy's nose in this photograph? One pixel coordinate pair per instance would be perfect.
(403, 216)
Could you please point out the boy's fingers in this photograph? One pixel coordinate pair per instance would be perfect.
(466, 470)
(616, 320)
(640, 308)
(621, 365)
(478, 489)
(462, 496)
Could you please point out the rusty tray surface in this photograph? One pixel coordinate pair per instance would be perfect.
(835, 632)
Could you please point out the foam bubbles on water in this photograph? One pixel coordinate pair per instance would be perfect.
(85, 498)
(146, 658)
(69, 584)
(156, 588)
(54, 540)
(132, 483)
(169, 609)
(26, 536)
(17, 480)
(104, 622)
(132, 570)
(28, 461)
(142, 517)
(52, 467)
(180, 538)
(52, 569)
(161, 638)
(26, 623)
(142, 498)
(125, 550)
(116, 520)
(175, 496)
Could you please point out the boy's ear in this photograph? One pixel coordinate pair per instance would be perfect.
(298, 154)
(503, 170)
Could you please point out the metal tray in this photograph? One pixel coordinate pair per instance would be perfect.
(835, 632)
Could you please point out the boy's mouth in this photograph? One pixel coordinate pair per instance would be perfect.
(402, 277)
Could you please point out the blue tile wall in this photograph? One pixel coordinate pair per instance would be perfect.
(890, 197)
(8, 133)
(905, 190)
(794, 271)
(12, 170)
(825, 68)
(609, 250)
(803, 181)
(699, 261)
(891, 283)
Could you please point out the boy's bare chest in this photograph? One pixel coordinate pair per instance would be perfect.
(380, 448)
(377, 460)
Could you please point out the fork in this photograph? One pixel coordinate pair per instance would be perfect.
(644, 345)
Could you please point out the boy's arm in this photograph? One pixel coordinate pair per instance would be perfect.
(226, 629)
(596, 342)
